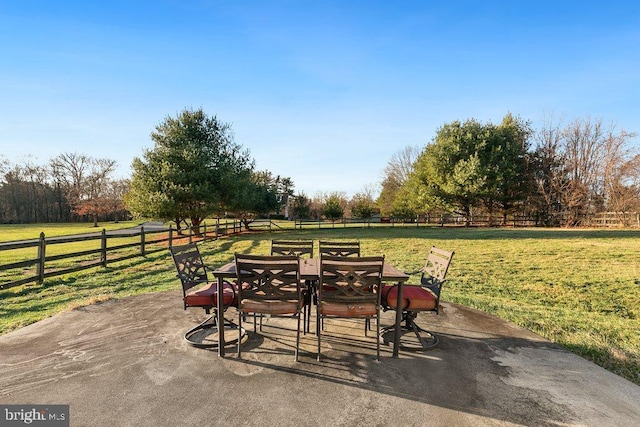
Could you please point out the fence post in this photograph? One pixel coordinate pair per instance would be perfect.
(41, 257)
(103, 248)
(170, 236)
(142, 251)
(191, 233)
(204, 236)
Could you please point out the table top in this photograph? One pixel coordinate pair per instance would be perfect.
(310, 270)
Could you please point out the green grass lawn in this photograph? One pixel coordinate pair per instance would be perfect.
(578, 288)
(12, 232)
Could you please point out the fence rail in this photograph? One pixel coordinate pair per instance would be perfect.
(114, 246)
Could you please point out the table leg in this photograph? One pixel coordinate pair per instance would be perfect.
(220, 313)
(396, 336)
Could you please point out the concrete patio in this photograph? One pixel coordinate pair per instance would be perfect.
(124, 363)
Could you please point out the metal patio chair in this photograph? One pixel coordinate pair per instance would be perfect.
(269, 285)
(198, 291)
(420, 297)
(347, 290)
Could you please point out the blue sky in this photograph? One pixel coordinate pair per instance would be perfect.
(323, 92)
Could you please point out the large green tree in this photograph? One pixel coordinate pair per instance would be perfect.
(505, 157)
(470, 165)
(449, 172)
(194, 170)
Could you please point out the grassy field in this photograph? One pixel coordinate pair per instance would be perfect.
(11, 232)
(578, 288)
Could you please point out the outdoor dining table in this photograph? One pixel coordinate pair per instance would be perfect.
(310, 270)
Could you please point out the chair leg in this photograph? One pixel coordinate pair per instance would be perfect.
(209, 323)
(378, 335)
(304, 320)
(212, 323)
(298, 337)
(313, 301)
(239, 333)
(427, 343)
(318, 321)
(409, 324)
(306, 309)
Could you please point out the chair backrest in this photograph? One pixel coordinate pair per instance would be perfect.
(191, 268)
(435, 269)
(292, 247)
(335, 248)
(350, 279)
(268, 277)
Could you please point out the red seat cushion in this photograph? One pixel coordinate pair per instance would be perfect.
(415, 298)
(207, 296)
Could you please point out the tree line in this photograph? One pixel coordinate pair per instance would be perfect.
(558, 175)
(69, 187)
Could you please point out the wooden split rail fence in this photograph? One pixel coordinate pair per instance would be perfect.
(22, 271)
(113, 246)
